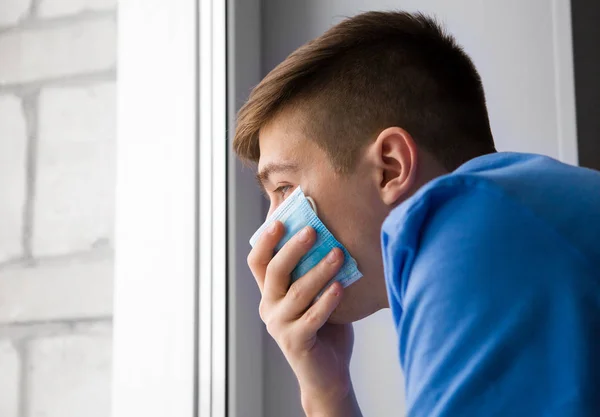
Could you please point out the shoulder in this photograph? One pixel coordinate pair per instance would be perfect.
(449, 223)
(495, 189)
(461, 228)
(443, 203)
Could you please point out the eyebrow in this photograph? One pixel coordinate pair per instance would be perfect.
(263, 175)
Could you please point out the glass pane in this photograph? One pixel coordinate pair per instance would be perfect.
(268, 31)
(57, 181)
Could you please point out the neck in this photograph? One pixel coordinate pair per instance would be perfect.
(428, 168)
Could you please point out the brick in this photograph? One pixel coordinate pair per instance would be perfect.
(69, 375)
(54, 8)
(13, 148)
(12, 11)
(9, 380)
(58, 289)
(75, 184)
(80, 47)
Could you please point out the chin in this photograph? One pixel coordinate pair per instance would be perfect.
(352, 309)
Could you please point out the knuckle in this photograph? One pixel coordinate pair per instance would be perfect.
(269, 326)
(262, 311)
(272, 327)
(311, 317)
(295, 292)
(272, 269)
(251, 259)
(266, 313)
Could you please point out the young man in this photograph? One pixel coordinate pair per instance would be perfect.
(489, 261)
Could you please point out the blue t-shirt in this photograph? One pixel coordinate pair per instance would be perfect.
(493, 278)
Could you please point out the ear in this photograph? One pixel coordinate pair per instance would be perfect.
(395, 157)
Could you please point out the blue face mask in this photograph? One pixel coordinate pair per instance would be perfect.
(296, 212)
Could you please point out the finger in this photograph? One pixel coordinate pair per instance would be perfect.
(302, 292)
(262, 253)
(318, 314)
(277, 280)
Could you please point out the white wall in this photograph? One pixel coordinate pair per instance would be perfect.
(57, 152)
(522, 50)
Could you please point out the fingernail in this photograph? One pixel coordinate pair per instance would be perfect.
(332, 257)
(304, 235)
(271, 229)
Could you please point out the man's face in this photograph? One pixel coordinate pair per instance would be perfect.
(348, 204)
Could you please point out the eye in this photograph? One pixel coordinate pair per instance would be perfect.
(282, 191)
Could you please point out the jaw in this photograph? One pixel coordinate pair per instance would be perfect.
(360, 300)
(346, 317)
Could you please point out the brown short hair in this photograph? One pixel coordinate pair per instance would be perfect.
(370, 72)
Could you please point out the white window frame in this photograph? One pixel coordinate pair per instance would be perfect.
(170, 275)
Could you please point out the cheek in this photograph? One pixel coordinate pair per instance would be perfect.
(343, 206)
(341, 218)
(355, 223)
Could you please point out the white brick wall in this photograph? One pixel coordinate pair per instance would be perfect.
(59, 289)
(10, 368)
(76, 157)
(13, 147)
(69, 375)
(57, 179)
(11, 11)
(79, 47)
(53, 8)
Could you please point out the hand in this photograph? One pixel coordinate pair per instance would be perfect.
(318, 352)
